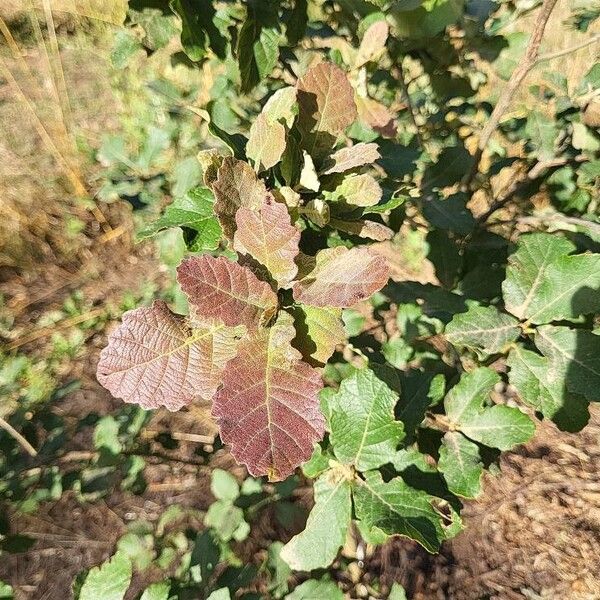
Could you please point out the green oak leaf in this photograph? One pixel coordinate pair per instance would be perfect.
(323, 589)
(543, 387)
(460, 463)
(363, 429)
(419, 391)
(317, 546)
(544, 283)
(575, 355)
(258, 44)
(193, 210)
(224, 485)
(157, 591)
(542, 132)
(466, 398)
(198, 28)
(394, 508)
(109, 581)
(483, 329)
(498, 426)
(220, 594)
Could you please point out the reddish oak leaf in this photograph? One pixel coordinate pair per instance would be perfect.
(236, 185)
(376, 115)
(268, 235)
(155, 359)
(268, 407)
(351, 157)
(372, 44)
(342, 277)
(220, 289)
(326, 99)
(327, 107)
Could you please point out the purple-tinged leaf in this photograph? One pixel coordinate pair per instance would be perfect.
(154, 358)
(268, 407)
(218, 288)
(266, 143)
(268, 235)
(326, 100)
(236, 185)
(342, 277)
(351, 157)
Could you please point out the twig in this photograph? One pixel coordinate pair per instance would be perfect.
(411, 108)
(45, 331)
(18, 437)
(519, 186)
(552, 55)
(181, 436)
(528, 61)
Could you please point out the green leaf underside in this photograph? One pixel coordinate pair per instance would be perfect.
(364, 432)
(317, 546)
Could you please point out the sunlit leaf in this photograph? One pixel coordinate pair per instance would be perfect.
(318, 544)
(282, 107)
(484, 329)
(155, 358)
(342, 277)
(543, 387)
(109, 581)
(268, 235)
(236, 185)
(356, 190)
(461, 465)
(574, 354)
(351, 157)
(394, 508)
(364, 432)
(372, 44)
(268, 407)
(364, 229)
(318, 331)
(266, 143)
(220, 289)
(327, 107)
(498, 426)
(195, 211)
(544, 283)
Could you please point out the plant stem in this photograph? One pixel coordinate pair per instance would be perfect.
(528, 61)
(18, 437)
(552, 55)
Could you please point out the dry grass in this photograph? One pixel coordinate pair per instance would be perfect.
(558, 36)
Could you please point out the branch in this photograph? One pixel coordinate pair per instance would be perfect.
(519, 186)
(528, 61)
(18, 437)
(552, 55)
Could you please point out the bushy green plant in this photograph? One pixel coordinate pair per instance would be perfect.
(343, 150)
